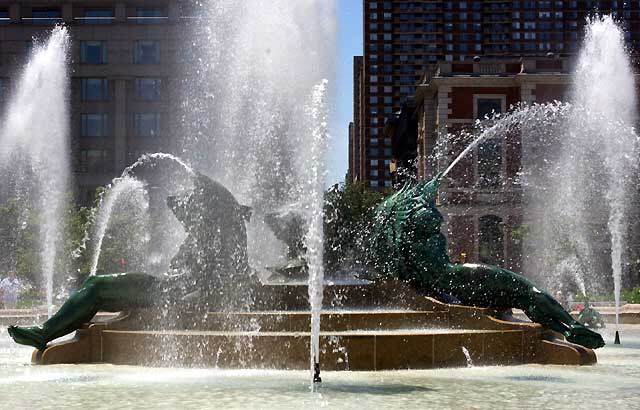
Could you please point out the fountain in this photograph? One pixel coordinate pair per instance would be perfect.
(588, 185)
(27, 142)
(124, 187)
(256, 119)
(266, 150)
(603, 66)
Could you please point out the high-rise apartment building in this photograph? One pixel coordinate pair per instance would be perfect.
(124, 58)
(355, 128)
(404, 38)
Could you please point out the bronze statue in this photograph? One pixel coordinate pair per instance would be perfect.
(211, 263)
(407, 244)
(290, 228)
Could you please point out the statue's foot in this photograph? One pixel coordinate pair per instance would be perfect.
(30, 336)
(585, 337)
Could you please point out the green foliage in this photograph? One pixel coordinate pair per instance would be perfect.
(631, 295)
(20, 225)
(19, 239)
(349, 208)
(628, 295)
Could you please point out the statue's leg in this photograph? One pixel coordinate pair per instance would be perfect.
(106, 292)
(493, 287)
(545, 310)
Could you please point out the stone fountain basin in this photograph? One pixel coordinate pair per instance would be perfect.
(382, 326)
(350, 340)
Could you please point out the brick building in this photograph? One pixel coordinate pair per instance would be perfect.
(482, 202)
(124, 65)
(404, 38)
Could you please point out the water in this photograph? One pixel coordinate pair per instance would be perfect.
(604, 66)
(126, 189)
(154, 159)
(315, 207)
(590, 179)
(254, 114)
(35, 136)
(612, 383)
(467, 356)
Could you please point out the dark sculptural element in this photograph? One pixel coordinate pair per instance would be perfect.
(591, 317)
(407, 244)
(212, 262)
(290, 228)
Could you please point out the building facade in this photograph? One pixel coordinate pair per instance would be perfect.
(355, 128)
(403, 38)
(482, 202)
(124, 85)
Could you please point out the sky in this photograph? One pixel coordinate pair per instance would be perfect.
(341, 106)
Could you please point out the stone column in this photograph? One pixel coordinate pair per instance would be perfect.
(173, 12)
(14, 13)
(120, 14)
(120, 125)
(527, 92)
(67, 12)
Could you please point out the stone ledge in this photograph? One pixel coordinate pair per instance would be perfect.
(340, 350)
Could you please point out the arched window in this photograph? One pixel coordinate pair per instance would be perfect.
(491, 240)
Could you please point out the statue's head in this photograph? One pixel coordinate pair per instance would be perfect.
(429, 190)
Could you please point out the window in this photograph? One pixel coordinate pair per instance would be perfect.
(491, 242)
(147, 124)
(98, 16)
(150, 16)
(94, 125)
(93, 52)
(45, 16)
(4, 17)
(487, 107)
(146, 52)
(95, 89)
(148, 89)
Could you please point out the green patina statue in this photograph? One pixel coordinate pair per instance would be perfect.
(289, 228)
(591, 317)
(407, 244)
(212, 263)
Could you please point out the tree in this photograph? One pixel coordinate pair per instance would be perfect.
(349, 209)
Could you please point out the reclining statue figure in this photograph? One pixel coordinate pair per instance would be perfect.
(407, 244)
(212, 259)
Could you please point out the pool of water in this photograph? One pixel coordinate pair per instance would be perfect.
(614, 382)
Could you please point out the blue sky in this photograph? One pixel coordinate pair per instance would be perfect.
(349, 44)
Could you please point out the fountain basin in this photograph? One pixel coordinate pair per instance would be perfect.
(350, 340)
